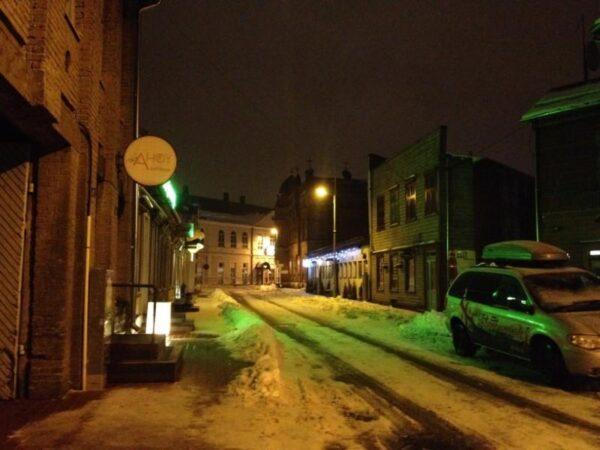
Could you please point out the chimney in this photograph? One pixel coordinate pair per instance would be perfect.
(242, 199)
(226, 196)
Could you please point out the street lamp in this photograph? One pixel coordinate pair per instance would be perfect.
(322, 192)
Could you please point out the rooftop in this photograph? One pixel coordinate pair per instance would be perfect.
(565, 99)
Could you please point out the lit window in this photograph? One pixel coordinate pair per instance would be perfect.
(394, 208)
(259, 242)
(411, 200)
(380, 212)
(430, 193)
(221, 238)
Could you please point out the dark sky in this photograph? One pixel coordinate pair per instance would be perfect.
(247, 90)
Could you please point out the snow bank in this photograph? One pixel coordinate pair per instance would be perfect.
(429, 327)
(267, 287)
(253, 341)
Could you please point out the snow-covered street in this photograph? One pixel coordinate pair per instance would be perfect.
(275, 369)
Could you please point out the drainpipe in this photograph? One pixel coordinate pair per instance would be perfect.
(86, 273)
(370, 216)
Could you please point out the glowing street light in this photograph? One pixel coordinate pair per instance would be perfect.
(322, 192)
(274, 231)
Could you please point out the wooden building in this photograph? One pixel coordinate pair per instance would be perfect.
(432, 212)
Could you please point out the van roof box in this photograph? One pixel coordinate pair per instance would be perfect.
(528, 252)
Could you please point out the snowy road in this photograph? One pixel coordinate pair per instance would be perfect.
(457, 405)
(281, 369)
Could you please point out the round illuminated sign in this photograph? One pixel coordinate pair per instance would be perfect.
(150, 160)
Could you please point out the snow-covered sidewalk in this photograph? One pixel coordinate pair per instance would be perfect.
(243, 386)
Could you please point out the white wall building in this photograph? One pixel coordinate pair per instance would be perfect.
(239, 242)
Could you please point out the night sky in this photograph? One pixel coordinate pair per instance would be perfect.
(246, 91)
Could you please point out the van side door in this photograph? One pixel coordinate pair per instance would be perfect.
(515, 316)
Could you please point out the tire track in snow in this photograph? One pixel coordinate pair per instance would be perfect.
(471, 382)
(445, 434)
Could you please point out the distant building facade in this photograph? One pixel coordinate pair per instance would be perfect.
(352, 270)
(239, 242)
(431, 213)
(566, 122)
(67, 112)
(305, 223)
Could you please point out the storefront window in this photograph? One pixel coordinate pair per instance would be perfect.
(395, 266)
(409, 273)
(379, 266)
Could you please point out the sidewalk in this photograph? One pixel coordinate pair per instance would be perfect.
(153, 415)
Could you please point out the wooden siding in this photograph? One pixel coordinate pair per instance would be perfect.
(410, 163)
(13, 197)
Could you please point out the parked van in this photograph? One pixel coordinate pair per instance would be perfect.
(525, 300)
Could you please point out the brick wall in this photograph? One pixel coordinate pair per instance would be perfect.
(67, 77)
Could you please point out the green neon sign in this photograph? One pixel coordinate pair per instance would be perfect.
(170, 193)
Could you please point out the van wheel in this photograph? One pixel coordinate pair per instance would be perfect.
(548, 360)
(463, 345)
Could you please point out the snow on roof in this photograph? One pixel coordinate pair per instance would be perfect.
(524, 251)
(566, 99)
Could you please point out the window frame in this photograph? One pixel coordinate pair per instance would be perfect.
(244, 240)
(394, 206)
(380, 212)
(380, 272)
(221, 239)
(410, 273)
(431, 193)
(395, 271)
(410, 200)
(233, 239)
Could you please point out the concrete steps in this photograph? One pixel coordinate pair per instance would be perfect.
(135, 358)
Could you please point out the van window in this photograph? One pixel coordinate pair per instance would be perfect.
(458, 287)
(509, 289)
(479, 286)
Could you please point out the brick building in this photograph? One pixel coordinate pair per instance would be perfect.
(431, 215)
(566, 122)
(239, 243)
(305, 223)
(67, 112)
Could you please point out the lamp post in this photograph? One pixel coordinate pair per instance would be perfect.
(321, 192)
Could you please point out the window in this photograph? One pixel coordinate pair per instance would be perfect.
(411, 200)
(430, 193)
(380, 212)
(221, 238)
(394, 207)
(379, 274)
(409, 273)
(395, 266)
(233, 271)
(220, 273)
(481, 286)
(510, 293)
(259, 242)
(244, 240)
(233, 239)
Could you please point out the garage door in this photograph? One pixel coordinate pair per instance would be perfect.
(14, 175)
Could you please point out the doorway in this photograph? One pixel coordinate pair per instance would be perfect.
(431, 281)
